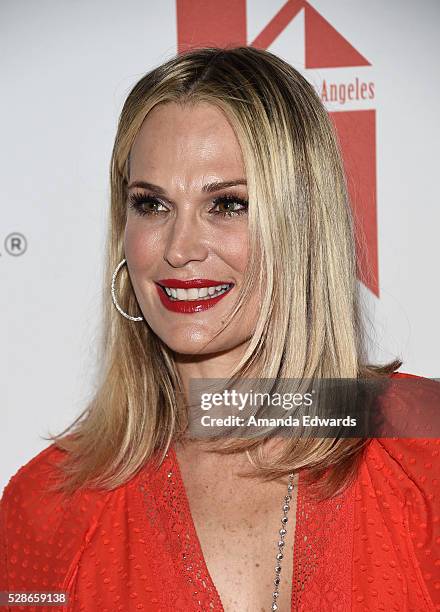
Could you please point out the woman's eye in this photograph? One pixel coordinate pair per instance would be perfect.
(226, 206)
(145, 204)
(230, 206)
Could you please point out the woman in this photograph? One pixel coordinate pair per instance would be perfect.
(230, 253)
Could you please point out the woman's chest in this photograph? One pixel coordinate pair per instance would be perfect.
(247, 544)
(244, 528)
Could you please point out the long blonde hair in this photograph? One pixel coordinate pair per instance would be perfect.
(302, 251)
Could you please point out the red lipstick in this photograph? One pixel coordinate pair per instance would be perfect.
(189, 306)
(177, 283)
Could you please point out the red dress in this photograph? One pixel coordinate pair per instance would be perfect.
(375, 547)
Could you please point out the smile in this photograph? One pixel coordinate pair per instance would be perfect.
(204, 293)
(191, 296)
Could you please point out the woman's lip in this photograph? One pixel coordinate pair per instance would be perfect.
(176, 283)
(188, 306)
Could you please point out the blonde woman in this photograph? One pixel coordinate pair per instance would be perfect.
(230, 253)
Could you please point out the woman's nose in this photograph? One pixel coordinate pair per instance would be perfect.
(186, 241)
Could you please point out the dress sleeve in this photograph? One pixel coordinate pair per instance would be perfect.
(29, 517)
(419, 460)
(416, 451)
(3, 562)
(43, 532)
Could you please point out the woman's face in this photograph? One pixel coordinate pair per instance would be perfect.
(186, 236)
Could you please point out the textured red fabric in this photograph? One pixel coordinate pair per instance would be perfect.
(375, 547)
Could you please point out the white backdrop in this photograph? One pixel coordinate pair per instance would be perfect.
(66, 68)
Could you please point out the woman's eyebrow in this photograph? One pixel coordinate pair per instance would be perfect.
(208, 188)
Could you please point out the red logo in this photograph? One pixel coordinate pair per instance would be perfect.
(204, 22)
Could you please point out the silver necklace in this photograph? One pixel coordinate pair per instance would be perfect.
(281, 543)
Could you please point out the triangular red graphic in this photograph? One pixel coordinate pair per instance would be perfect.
(325, 47)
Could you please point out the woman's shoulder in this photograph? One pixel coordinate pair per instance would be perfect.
(33, 485)
(32, 494)
(29, 486)
(37, 468)
(401, 474)
(41, 528)
(411, 412)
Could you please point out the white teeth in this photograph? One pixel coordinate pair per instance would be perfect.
(196, 293)
(192, 293)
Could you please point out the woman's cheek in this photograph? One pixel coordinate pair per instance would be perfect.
(142, 245)
(232, 247)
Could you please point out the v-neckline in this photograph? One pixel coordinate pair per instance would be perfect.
(195, 537)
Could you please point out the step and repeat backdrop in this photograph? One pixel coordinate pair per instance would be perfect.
(66, 69)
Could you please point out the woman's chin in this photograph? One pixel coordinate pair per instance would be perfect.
(200, 347)
(198, 343)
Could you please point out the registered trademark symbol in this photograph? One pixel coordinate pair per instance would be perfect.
(15, 244)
